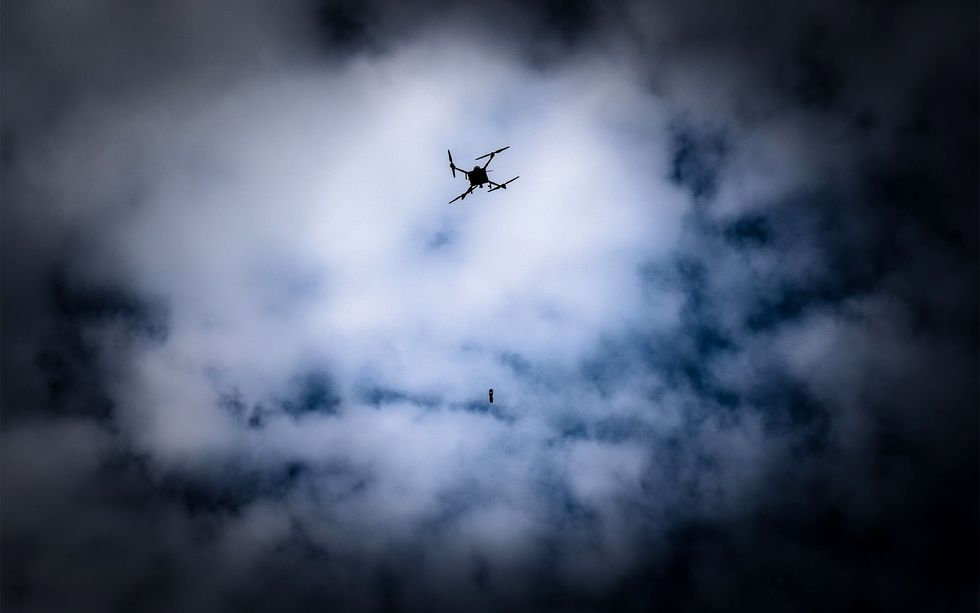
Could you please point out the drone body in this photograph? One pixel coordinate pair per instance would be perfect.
(478, 176)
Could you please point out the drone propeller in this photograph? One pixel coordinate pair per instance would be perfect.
(504, 184)
(463, 195)
(451, 165)
(493, 153)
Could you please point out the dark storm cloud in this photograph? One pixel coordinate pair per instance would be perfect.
(68, 358)
(730, 316)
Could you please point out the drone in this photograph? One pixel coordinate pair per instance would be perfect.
(477, 176)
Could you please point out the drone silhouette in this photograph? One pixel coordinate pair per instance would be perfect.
(477, 176)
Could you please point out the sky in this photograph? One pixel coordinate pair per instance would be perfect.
(729, 311)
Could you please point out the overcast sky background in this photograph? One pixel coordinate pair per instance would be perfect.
(729, 310)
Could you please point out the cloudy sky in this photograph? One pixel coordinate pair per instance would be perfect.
(729, 311)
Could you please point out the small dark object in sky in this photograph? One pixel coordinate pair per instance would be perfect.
(491, 395)
(477, 176)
